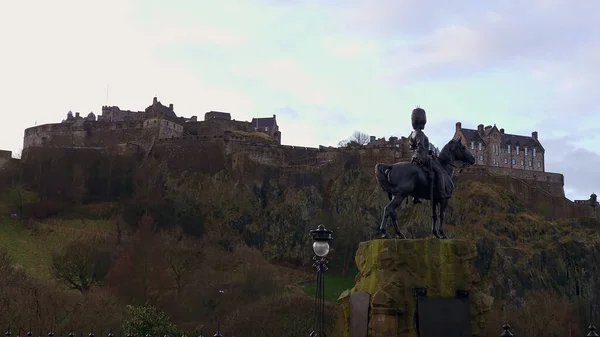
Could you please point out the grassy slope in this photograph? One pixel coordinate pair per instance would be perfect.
(32, 244)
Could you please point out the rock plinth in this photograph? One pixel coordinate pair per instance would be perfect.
(391, 270)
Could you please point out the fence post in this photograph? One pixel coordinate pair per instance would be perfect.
(506, 332)
(592, 331)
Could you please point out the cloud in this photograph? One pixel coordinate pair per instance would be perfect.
(580, 166)
(325, 68)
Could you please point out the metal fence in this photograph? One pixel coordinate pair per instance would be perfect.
(51, 333)
(506, 332)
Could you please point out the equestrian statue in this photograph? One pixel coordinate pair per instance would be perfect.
(425, 177)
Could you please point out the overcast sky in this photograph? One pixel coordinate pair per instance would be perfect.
(326, 68)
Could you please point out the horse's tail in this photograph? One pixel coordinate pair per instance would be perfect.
(381, 172)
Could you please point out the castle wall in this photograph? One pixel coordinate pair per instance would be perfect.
(547, 201)
(113, 113)
(215, 126)
(553, 183)
(86, 134)
(169, 129)
(5, 158)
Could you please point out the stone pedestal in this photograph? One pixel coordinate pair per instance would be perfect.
(391, 270)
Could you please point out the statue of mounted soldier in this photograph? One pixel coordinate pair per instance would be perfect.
(425, 177)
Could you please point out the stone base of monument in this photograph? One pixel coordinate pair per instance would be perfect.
(410, 288)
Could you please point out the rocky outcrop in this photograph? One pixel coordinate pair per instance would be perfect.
(390, 270)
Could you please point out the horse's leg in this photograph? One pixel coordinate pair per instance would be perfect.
(434, 204)
(397, 202)
(443, 204)
(387, 210)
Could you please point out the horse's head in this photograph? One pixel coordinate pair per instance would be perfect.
(459, 152)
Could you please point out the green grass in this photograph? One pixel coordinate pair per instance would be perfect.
(31, 246)
(335, 284)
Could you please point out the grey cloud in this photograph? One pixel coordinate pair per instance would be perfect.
(580, 167)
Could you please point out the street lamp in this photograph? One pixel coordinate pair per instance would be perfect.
(321, 237)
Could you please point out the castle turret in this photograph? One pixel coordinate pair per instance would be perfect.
(534, 135)
(458, 126)
(155, 100)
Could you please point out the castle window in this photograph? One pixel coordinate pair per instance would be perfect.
(517, 149)
(514, 161)
(508, 148)
(526, 152)
(534, 152)
(480, 158)
(266, 128)
(472, 145)
(505, 160)
(539, 164)
(522, 164)
(479, 146)
(530, 164)
(494, 161)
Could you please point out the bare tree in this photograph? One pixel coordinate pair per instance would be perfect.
(82, 263)
(357, 137)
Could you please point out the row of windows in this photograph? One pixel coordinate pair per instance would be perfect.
(496, 149)
(514, 162)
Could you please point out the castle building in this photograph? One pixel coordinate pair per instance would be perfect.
(116, 127)
(493, 147)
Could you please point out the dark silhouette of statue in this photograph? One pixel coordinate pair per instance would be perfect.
(423, 156)
(416, 179)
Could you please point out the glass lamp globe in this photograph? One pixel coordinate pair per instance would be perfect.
(321, 248)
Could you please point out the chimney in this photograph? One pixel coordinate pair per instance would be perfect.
(534, 135)
(273, 116)
(77, 116)
(155, 100)
(458, 126)
(371, 139)
(480, 128)
(171, 106)
(502, 131)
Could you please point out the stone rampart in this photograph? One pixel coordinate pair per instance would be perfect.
(86, 134)
(216, 126)
(5, 158)
(552, 205)
(552, 183)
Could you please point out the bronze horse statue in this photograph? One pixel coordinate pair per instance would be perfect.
(405, 179)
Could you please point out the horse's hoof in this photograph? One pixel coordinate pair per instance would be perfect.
(385, 235)
(443, 236)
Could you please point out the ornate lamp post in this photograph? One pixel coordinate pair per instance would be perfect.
(321, 237)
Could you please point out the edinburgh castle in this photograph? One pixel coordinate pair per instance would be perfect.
(219, 142)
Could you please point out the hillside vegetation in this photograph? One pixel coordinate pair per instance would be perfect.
(106, 234)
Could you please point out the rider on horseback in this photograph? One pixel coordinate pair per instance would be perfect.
(422, 156)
